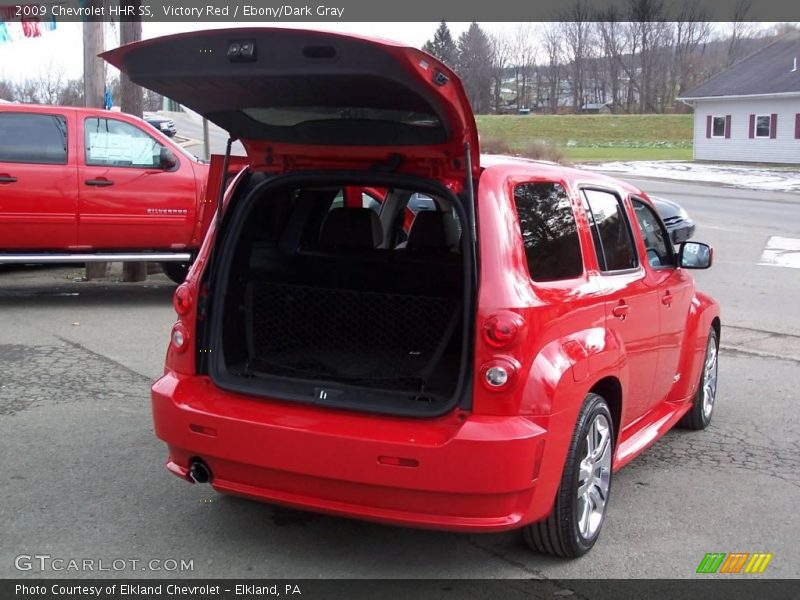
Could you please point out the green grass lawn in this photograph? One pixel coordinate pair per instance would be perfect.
(595, 137)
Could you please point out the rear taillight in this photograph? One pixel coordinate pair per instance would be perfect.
(182, 299)
(502, 329)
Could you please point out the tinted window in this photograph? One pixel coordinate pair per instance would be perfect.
(115, 143)
(548, 231)
(33, 138)
(613, 239)
(656, 241)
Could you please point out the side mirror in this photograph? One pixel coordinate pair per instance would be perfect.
(167, 160)
(696, 255)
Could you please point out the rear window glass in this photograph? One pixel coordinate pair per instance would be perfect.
(33, 138)
(291, 116)
(549, 232)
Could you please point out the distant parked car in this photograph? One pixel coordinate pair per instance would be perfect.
(164, 125)
(679, 226)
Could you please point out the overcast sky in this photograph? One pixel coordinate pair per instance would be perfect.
(62, 48)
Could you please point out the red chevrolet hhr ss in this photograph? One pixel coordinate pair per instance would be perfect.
(486, 366)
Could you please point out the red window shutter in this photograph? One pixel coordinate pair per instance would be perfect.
(752, 133)
(797, 126)
(773, 126)
(727, 127)
(708, 126)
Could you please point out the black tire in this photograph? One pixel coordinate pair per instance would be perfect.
(560, 533)
(698, 417)
(176, 271)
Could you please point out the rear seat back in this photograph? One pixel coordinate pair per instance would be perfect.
(433, 231)
(351, 228)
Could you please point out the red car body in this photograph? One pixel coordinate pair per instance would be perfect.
(495, 463)
(70, 206)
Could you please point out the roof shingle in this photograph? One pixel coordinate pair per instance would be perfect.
(768, 71)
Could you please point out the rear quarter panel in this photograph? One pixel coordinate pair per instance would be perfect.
(564, 348)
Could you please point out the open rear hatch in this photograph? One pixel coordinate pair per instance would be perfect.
(313, 298)
(295, 97)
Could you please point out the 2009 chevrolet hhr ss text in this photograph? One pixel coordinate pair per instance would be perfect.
(384, 324)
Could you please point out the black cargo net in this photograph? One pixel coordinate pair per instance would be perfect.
(371, 339)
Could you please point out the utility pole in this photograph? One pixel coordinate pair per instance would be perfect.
(130, 30)
(94, 85)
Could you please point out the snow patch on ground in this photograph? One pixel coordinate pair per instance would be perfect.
(776, 179)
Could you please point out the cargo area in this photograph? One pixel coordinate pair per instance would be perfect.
(350, 296)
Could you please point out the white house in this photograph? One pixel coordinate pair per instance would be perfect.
(750, 112)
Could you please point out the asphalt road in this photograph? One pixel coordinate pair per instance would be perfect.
(84, 478)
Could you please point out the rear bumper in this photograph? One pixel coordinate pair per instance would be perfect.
(458, 472)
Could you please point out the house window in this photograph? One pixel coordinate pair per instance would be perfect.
(718, 127)
(763, 126)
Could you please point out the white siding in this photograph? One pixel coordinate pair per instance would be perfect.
(783, 149)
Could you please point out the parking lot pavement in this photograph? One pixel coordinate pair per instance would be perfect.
(84, 474)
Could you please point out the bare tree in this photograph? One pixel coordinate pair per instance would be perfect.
(692, 32)
(50, 83)
(27, 91)
(576, 30)
(553, 45)
(502, 52)
(612, 42)
(524, 52)
(6, 90)
(740, 29)
(72, 93)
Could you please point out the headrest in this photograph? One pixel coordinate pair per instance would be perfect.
(433, 230)
(351, 228)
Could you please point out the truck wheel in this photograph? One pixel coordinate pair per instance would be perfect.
(699, 416)
(176, 270)
(574, 524)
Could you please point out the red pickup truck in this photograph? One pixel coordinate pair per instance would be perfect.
(89, 185)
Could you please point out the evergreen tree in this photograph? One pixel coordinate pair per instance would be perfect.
(442, 46)
(474, 67)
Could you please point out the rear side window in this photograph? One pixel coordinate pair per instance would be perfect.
(611, 232)
(33, 138)
(112, 143)
(549, 232)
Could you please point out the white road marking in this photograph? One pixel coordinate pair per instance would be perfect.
(781, 252)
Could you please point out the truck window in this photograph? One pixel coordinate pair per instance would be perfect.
(33, 138)
(549, 232)
(113, 143)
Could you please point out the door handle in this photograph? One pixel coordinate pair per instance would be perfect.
(667, 299)
(99, 182)
(7, 179)
(621, 310)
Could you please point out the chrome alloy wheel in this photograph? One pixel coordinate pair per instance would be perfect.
(709, 383)
(594, 477)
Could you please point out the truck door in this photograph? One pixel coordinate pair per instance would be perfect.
(129, 197)
(38, 186)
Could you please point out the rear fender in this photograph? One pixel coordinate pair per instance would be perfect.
(560, 377)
